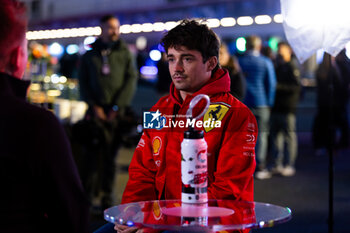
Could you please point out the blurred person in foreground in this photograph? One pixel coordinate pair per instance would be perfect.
(40, 186)
(155, 170)
(164, 78)
(283, 117)
(260, 96)
(230, 62)
(107, 81)
(331, 126)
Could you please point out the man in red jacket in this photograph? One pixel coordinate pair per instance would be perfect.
(155, 170)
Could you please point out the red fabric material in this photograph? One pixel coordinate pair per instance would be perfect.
(155, 169)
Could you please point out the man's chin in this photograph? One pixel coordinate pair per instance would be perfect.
(180, 87)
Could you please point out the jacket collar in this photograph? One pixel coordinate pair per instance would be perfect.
(218, 83)
(12, 86)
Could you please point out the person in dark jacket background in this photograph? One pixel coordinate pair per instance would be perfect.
(230, 63)
(40, 187)
(283, 118)
(107, 78)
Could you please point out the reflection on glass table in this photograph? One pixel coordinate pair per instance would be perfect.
(216, 215)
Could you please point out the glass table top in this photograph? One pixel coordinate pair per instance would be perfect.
(216, 215)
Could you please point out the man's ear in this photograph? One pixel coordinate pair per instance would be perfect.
(212, 62)
(15, 59)
(14, 65)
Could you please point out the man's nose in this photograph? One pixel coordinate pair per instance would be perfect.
(179, 66)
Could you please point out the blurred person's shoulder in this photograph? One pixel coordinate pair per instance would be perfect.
(35, 115)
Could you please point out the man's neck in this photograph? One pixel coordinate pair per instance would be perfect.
(183, 95)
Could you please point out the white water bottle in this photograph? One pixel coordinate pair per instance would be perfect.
(194, 167)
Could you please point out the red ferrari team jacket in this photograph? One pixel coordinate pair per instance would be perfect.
(155, 169)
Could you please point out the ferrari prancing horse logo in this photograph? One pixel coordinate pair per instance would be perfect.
(216, 112)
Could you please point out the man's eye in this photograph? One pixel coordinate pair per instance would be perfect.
(188, 59)
(170, 59)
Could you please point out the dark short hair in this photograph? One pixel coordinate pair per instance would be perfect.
(194, 36)
(13, 26)
(253, 42)
(281, 43)
(106, 18)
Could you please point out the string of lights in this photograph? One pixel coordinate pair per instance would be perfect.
(150, 27)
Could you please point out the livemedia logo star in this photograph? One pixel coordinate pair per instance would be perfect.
(153, 120)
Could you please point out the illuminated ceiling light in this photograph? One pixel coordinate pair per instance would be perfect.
(245, 21)
(227, 22)
(158, 27)
(46, 34)
(87, 32)
(56, 49)
(88, 41)
(98, 31)
(126, 28)
(50, 34)
(60, 33)
(213, 23)
(147, 27)
(72, 49)
(66, 33)
(170, 25)
(262, 19)
(278, 18)
(136, 28)
(155, 55)
(39, 34)
(93, 31)
(83, 32)
(141, 43)
(149, 70)
(74, 32)
(241, 44)
(30, 35)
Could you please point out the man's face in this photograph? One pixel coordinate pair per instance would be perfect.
(285, 52)
(224, 56)
(187, 69)
(110, 30)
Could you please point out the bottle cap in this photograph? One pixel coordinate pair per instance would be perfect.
(192, 133)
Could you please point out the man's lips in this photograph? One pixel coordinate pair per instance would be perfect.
(178, 77)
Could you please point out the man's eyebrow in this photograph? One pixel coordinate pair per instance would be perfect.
(187, 55)
(182, 55)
